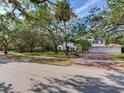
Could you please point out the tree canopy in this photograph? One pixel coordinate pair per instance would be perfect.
(28, 25)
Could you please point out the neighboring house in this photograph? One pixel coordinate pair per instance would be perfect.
(70, 46)
(98, 46)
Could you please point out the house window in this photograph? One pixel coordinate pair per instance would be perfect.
(95, 42)
(72, 49)
(60, 48)
(67, 47)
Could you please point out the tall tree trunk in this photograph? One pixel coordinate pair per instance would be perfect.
(5, 47)
(31, 50)
(5, 50)
(66, 39)
(66, 47)
(56, 50)
(55, 46)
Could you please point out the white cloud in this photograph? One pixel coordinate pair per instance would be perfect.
(86, 6)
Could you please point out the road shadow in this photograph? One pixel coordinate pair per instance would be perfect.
(6, 88)
(75, 84)
(118, 78)
(103, 65)
(8, 59)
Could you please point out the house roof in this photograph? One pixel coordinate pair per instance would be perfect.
(106, 46)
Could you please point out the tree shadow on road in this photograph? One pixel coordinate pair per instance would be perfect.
(6, 60)
(75, 84)
(118, 78)
(6, 88)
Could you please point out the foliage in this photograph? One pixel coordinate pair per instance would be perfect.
(116, 14)
(83, 45)
(27, 25)
(5, 31)
(63, 14)
(78, 28)
(63, 11)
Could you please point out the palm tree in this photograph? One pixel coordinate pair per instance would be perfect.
(64, 13)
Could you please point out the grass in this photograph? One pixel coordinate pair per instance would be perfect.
(119, 57)
(60, 59)
(119, 64)
(57, 61)
(51, 54)
(54, 62)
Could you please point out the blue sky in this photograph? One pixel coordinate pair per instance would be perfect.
(82, 7)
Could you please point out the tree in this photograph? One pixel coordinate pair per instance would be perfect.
(78, 28)
(64, 14)
(97, 19)
(83, 45)
(27, 38)
(116, 14)
(5, 31)
(113, 19)
(48, 25)
(39, 18)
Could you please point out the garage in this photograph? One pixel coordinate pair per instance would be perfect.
(106, 49)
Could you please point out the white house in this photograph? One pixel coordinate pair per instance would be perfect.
(70, 46)
(98, 46)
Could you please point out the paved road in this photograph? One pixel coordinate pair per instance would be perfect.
(19, 77)
(22, 77)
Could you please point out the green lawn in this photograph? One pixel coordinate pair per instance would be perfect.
(119, 64)
(119, 57)
(51, 54)
(57, 61)
(60, 59)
